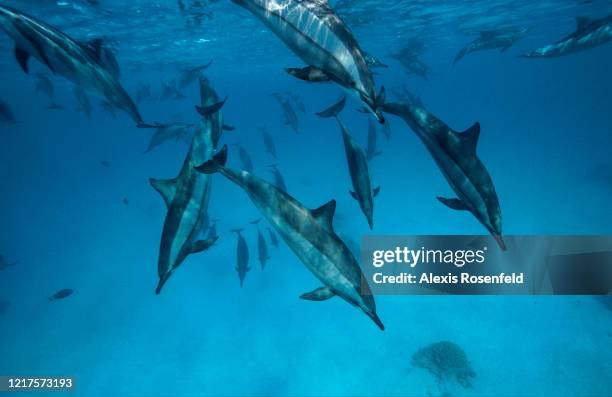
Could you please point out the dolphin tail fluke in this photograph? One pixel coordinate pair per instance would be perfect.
(334, 110)
(215, 164)
(377, 321)
(212, 109)
(376, 191)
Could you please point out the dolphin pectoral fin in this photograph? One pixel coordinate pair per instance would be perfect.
(309, 73)
(353, 195)
(165, 187)
(319, 294)
(582, 22)
(201, 245)
(334, 110)
(248, 269)
(454, 203)
(227, 127)
(325, 214)
(22, 57)
(376, 191)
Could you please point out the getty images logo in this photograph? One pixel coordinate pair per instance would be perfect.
(412, 257)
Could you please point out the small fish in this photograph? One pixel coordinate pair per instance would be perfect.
(106, 163)
(125, 201)
(61, 294)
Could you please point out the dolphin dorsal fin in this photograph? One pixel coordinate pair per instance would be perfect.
(471, 135)
(325, 214)
(95, 47)
(582, 22)
(165, 187)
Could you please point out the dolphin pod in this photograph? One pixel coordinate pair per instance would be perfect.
(309, 234)
(455, 155)
(86, 64)
(589, 33)
(313, 31)
(187, 195)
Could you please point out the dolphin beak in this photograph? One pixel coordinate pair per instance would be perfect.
(376, 320)
(500, 241)
(162, 282)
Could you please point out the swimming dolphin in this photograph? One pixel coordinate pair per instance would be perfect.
(309, 234)
(409, 56)
(491, 39)
(186, 198)
(373, 62)
(279, 181)
(247, 163)
(61, 294)
(6, 114)
(589, 33)
(83, 101)
(371, 150)
(273, 238)
(83, 63)
(143, 93)
(189, 75)
(291, 118)
(455, 155)
(166, 132)
(262, 247)
(313, 31)
(297, 101)
(268, 142)
(357, 166)
(242, 256)
(45, 85)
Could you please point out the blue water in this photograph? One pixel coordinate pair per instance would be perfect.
(546, 138)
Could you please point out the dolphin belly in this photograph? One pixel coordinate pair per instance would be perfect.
(310, 37)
